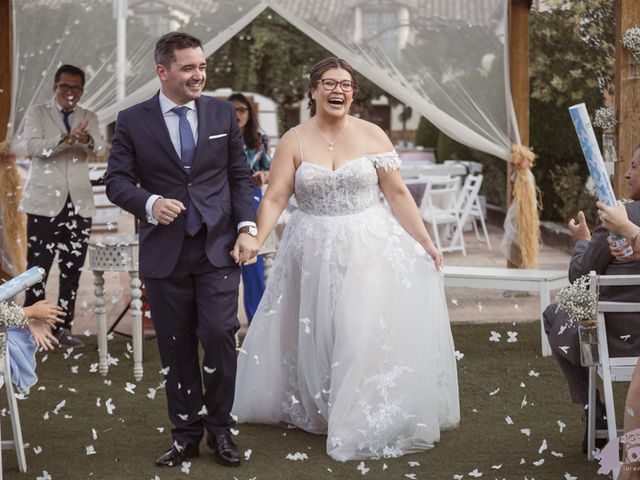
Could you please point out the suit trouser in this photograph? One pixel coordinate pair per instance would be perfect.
(66, 234)
(561, 334)
(197, 303)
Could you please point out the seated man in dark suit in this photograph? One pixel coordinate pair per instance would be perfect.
(591, 252)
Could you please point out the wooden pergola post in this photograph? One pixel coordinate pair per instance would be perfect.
(519, 75)
(6, 47)
(627, 96)
(6, 57)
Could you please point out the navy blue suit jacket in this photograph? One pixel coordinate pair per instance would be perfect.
(143, 161)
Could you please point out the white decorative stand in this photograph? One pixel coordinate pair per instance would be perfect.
(117, 253)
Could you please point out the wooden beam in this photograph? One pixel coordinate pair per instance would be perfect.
(519, 64)
(627, 95)
(519, 75)
(6, 47)
(519, 71)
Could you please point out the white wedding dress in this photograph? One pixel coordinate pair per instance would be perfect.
(352, 336)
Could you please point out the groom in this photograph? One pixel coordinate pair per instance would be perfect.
(178, 164)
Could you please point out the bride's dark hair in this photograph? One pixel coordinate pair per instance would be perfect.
(321, 67)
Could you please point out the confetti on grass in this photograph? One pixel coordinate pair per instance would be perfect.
(297, 456)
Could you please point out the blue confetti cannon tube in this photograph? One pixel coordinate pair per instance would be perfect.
(20, 283)
(595, 163)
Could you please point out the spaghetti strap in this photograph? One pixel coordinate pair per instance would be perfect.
(299, 143)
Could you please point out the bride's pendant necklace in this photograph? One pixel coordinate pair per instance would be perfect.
(331, 144)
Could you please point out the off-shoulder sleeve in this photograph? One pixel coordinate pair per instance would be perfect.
(388, 160)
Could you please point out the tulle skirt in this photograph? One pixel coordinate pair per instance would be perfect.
(351, 339)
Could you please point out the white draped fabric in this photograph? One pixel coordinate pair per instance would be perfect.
(447, 59)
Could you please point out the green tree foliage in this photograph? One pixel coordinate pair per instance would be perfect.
(427, 134)
(571, 62)
(272, 57)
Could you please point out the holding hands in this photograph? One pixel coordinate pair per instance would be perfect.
(246, 249)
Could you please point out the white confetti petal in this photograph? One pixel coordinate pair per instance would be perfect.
(543, 446)
(362, 468)
(296, 456)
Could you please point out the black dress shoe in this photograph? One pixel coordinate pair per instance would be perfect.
(225, 449)
(178, 453)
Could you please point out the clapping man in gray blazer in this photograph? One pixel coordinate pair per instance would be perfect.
(58, 199)
(591, 252)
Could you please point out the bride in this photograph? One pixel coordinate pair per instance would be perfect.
(352, 336)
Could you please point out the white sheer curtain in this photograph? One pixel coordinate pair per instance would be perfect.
(444, 58)
(49, 33)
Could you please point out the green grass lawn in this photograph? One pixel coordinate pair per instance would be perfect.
(497, 380)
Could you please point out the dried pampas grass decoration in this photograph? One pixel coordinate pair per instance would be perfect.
(14, 234)
(524, 196)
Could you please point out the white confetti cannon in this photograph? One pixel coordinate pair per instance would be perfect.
(20, 283)
(595, 163)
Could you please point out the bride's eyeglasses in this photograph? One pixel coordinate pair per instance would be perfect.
(329, 84)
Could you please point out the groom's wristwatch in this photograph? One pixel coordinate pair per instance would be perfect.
(250, 229)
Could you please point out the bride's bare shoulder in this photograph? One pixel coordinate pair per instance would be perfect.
(376, 138)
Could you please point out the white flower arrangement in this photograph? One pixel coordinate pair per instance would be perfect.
(577, 302)
(631, 39)
(605, 118)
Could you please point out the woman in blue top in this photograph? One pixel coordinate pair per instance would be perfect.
(28, 328)
(256, 147)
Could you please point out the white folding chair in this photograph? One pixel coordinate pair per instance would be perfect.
(440, 207)
(611, 369)
(5, 380)
(476, 214)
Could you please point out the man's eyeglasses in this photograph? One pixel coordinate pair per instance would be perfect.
(329, 84)
(242, 109)
(70, 88)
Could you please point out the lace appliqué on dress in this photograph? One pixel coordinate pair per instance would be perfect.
(385, 409)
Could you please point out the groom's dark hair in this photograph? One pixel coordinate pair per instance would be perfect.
(170, 42)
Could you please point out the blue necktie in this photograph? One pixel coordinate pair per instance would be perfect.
(187, 152)
(65, 119)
